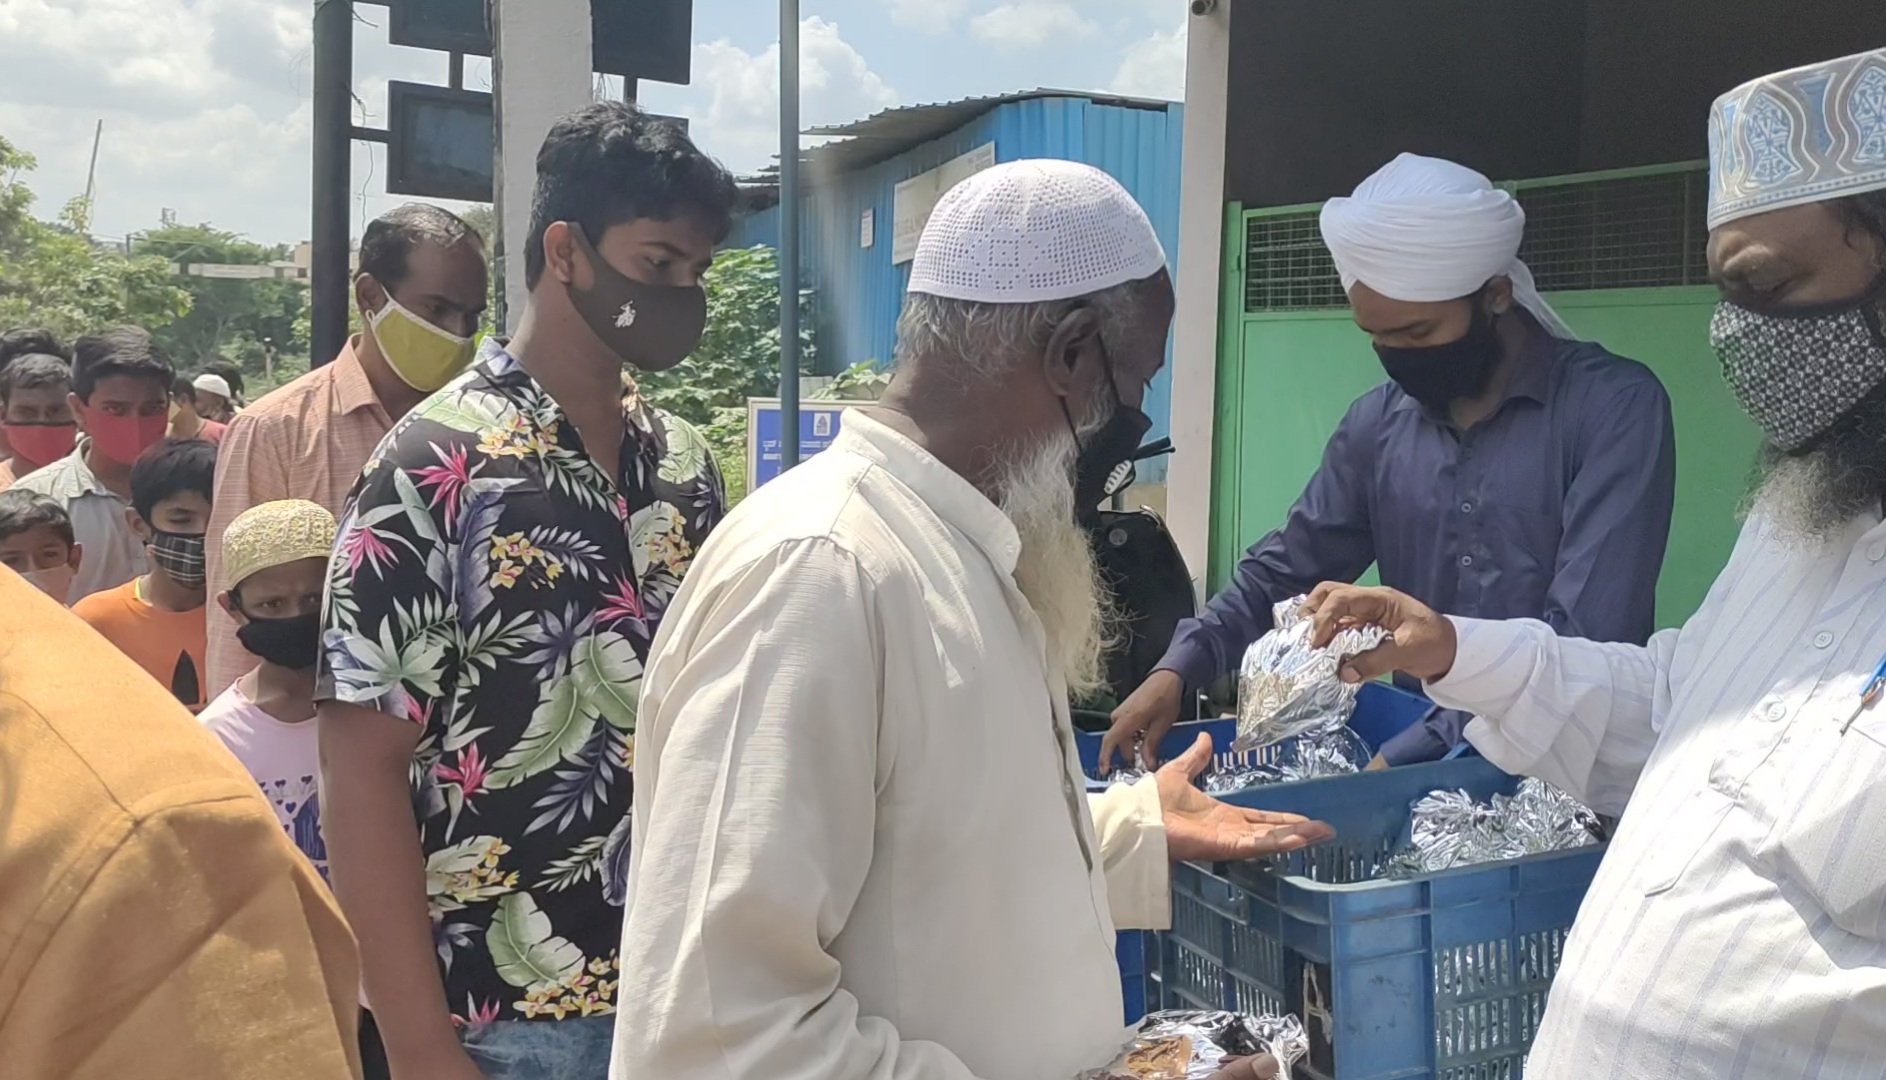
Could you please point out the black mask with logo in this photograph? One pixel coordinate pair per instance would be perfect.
(1439, 375)
(1111, 445)
(652, 327)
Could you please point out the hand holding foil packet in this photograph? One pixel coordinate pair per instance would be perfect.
(1182, 1045)
(1288, 689)
(1449, 829)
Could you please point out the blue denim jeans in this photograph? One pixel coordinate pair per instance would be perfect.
(574, 1049)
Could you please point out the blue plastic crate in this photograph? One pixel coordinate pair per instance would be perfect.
(1136, 950)
(1442, 977)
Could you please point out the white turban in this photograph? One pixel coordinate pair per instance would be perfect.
(1422, 230)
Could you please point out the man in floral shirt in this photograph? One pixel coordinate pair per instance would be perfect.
(500, 572)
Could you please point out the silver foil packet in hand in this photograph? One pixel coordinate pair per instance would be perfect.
(1288, 689)
(1183, 1045)
(1450, 829)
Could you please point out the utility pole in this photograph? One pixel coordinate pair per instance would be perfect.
(91, 176)
(788, 233)
(328, 283)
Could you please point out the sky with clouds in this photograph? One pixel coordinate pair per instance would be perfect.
(206, 112)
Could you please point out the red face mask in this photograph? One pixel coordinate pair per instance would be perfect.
(40, 445)
(124, 438)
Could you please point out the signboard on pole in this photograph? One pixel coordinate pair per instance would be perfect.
(640, 39)
(440, 141)
(818, 426)
(912, 200)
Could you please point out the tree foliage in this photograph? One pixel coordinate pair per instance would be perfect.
(259, 324)
(738, 357)
(53, 275)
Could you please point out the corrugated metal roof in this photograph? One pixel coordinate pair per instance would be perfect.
(860, 144)
(860, 290)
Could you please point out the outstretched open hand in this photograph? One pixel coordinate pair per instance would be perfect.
(1199, 828)
(1262, 1067)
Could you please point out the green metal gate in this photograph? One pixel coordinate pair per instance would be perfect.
(1619, 254)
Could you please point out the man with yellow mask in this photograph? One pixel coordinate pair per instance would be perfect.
(421, 290)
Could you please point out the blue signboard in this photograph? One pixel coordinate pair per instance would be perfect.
(818, 426)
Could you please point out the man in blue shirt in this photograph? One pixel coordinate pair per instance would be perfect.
(1505, 470)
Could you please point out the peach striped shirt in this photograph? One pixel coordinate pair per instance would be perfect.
(307, 440)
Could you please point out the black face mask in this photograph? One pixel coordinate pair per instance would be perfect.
(1113, 444)
(1439, 375)
(293, 643)
(653, 327)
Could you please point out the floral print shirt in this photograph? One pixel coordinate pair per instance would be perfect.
(495, 586)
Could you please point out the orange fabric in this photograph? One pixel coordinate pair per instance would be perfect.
(158, 641)
(155, 921)
(307, 440)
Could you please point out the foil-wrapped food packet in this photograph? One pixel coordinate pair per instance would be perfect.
(1182, 1045)
(1450, 829)
(1287, 689)
(1311, 757)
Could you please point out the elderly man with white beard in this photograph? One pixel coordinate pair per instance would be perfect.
(862, 848)
(1737, 927)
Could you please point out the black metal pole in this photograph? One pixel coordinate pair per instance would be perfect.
(329, 283)
(788, 233)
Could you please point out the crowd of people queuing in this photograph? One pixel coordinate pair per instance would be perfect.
(441, 599)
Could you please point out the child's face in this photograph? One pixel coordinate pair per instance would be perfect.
(279, 592)
(38, 548)
(186, 513)
(39, 405)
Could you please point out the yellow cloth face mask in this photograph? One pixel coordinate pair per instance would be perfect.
(422, 355)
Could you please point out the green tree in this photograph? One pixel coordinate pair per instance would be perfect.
(53, 275)
(258, 323)
(738, 357)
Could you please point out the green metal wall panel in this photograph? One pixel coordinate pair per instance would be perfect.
(1285, 379)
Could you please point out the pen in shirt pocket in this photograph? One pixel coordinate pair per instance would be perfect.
(1870, 694)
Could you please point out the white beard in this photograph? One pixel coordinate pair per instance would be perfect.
(1802, 500)
(1057, 571)
(1810, 499)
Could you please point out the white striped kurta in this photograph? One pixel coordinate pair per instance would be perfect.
(1737, 927)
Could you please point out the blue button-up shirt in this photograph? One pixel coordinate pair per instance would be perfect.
(1555, 507)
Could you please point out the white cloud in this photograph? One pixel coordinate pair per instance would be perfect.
(733, 104)
(1030, 24)
(206, 105)
(1153, 67)
(930, 16)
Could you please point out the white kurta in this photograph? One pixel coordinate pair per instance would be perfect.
(1737, 927)
(862, 847)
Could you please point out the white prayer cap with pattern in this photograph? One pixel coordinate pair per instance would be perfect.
(1803, 136)
(1027, 232)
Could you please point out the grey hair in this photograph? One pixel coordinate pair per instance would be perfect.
(982, 341)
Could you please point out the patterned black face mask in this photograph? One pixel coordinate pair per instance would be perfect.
(180, 556)
(1800, 373)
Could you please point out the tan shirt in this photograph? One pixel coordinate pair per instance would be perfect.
(307, 440)
(155, 922)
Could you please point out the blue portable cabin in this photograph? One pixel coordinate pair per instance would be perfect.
(849, 263)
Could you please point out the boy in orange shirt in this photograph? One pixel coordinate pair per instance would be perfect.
(157, 619)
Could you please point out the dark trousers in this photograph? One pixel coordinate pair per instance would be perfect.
(372, 1051)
